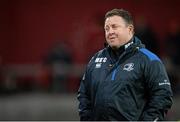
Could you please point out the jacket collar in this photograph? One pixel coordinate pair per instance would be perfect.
(132, 44)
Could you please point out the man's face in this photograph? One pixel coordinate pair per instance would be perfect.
(117, 32)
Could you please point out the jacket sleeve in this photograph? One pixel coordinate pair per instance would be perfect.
(85, 105)
(159, 92)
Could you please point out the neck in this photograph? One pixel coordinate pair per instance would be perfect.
(123, 45)
(129, 39)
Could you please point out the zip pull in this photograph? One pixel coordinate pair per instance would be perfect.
(156, 119)
(111, 65)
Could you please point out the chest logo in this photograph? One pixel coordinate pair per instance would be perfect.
(128, 67)
(98, 65)
(99, 60)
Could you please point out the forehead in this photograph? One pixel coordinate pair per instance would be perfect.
(114, 20)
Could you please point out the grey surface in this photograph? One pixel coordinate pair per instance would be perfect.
(38, 106)
(46, 106)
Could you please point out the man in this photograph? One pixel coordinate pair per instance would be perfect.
(124, 81)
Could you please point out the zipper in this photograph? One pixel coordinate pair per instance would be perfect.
(113, 74)
(117, 63)
(116, 66)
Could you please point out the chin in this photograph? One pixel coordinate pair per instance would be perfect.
(114, 46)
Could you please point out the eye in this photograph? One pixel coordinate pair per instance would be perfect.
(106, 28)
(115, 26)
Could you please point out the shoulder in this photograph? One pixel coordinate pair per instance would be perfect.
(100, 53)
(148, 55)
(151, 61)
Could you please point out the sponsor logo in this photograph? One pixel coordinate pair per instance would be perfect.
(98, 60)
(164, 83)
(128, 44)
(98, 65)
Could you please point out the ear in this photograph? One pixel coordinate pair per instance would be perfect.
(131, 28)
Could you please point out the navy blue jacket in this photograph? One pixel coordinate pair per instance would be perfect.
(131, 86)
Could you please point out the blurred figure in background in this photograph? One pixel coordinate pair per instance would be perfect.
(145, 33)
(59, 60)
(172, 49)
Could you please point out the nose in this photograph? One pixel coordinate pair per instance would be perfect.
(111, 31)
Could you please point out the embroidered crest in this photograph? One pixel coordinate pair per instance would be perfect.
(128, 67)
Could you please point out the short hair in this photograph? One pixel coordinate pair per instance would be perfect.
(122, 13)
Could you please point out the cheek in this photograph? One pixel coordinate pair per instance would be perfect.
(106, 35)
(122, 33)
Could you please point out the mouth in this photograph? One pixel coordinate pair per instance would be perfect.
(112, 38)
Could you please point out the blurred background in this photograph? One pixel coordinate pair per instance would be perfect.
(46, 44)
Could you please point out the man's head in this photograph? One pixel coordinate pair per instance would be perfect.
(119, 28)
